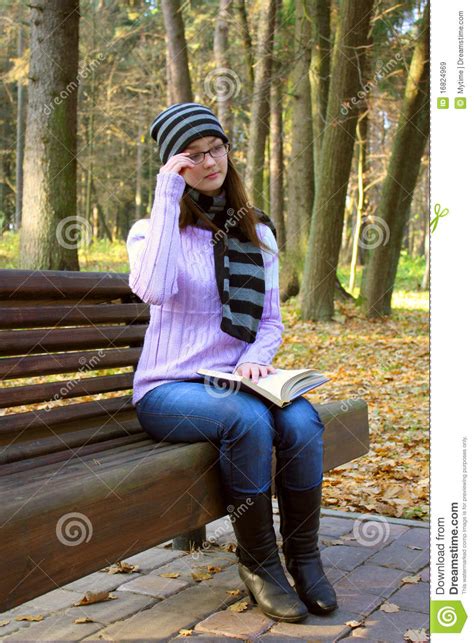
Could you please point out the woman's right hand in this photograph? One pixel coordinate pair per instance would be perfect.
(177, 163)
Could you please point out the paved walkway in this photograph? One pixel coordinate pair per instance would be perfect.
(379, 568)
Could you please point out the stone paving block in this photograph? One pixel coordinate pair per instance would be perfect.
(99, 582)
(57, 627)
(162, 621)
(425, 575)
(373, 535)
(321, 628)
(344, 557)
(12, 626)
(153, 585)
(243, 625)
(107, 612)
(373, 579)
(357, 601)
(154, 557)
(417, 536)
(391, 626)
(335, 526)
(228, 579)
(413, 597)
(197, 563)
(52, 601)
(401, 557)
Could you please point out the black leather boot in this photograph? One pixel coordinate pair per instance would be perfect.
(299, 527)
(259, 564)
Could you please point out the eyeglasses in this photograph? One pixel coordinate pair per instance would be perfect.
(216, 152)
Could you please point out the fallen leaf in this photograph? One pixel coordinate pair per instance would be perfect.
(389, 607)
(199, 576)
(354, 623)
(2, 623)
(416, 635)
(83, 619)
(95, 597)
(122, 568)
(170, 574)
(213, 569)
(29, 617)
(234, 592)
(241, 606)
(411, 579)
(415, 547)
(185, 632)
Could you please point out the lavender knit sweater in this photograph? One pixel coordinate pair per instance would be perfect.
(173, 270)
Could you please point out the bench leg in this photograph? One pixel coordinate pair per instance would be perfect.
(194, 538)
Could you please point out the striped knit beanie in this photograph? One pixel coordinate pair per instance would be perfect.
(179, 125)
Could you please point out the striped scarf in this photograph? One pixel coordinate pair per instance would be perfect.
(240, 273)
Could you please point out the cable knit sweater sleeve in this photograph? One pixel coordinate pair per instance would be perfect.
(269, 334)
(153, 244)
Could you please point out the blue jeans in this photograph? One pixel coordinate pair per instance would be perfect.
(243, 427)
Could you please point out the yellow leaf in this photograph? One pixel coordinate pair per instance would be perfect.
(199, 576)
(241, 606)
(389, 607)
(170, 574)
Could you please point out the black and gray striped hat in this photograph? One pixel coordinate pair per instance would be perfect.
(181, 124)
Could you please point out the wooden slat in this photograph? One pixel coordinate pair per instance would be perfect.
(37, 462)
(64, 389)
(59, 415)
(156, 489)
(83, 361)
(79, 315)
(74, 461)
(22, 342)
(58, 443)
(41, 284)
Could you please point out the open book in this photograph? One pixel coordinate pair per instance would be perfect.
(281, 387)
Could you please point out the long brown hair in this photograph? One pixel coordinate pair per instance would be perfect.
(237, 200)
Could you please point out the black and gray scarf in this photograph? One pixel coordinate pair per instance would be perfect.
(239, 265)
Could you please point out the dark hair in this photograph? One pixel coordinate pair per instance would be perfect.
(237, 200)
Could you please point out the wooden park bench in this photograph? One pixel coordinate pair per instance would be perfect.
(81, 484)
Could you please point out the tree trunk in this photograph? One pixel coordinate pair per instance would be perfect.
(300, 169)
(177, 53)
(403, 170)
(276, 160)
(260, 104)
(320, 73)
(347, 77)
(226, 83)
(20, 140)
(361, 131)
(49, 196)
(245, 33)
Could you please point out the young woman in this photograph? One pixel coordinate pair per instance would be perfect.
(207, 263)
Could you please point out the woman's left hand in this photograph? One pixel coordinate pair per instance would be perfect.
(253, 371)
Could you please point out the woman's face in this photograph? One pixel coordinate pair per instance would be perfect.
(198, 177)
